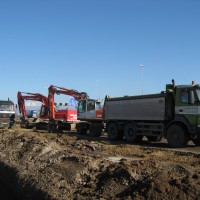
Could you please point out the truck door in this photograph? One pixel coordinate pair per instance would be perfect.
(91, 112)
(81, 111)
(186, 105)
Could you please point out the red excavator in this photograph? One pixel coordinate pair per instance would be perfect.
(69, 116)
(89, 111)
(27, 122)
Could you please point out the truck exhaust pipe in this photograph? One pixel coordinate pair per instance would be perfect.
(173, 83)
(193, 83)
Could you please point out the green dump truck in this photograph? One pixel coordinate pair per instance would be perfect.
(173, 114)
(7, 114)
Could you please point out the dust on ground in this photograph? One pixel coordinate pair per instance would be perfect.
(41, 165)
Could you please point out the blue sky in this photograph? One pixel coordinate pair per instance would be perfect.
(97, 45)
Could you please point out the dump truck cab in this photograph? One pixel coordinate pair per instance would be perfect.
(184, 124)
(187, 108)
(7, 114)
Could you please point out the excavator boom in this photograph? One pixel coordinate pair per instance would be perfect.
(61, 90)
(30, 96)
(40, 122)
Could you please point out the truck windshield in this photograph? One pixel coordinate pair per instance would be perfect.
(198, 94)
(6, 107)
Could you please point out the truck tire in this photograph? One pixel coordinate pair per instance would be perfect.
(176, 136)
(113, 132)
(130, 131)
(95, 130)
(196, 141)
(80, 129)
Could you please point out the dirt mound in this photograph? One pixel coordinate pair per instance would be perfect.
(52, 166)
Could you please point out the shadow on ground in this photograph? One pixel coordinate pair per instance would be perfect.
(12, 188)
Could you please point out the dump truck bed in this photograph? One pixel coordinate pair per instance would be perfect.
(145, 107)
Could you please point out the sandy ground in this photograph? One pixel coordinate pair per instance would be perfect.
(41, 165)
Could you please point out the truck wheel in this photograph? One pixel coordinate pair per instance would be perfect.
(95, 130)
(130, 132)
(113, 132)
(176, 136)
(80, 129)
(196, 141)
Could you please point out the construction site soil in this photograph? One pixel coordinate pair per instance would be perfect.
(41, 165)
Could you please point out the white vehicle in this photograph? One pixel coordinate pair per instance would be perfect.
(7, 114)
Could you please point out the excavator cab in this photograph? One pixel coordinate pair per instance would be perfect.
(44, 111)
(89, 109)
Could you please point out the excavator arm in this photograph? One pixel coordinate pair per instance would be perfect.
(60, 90)
(21, 104)
(22, 96)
